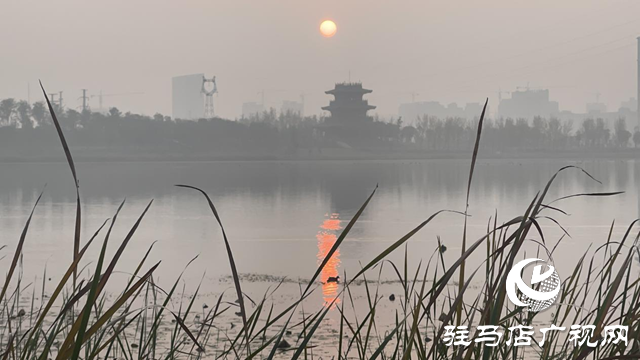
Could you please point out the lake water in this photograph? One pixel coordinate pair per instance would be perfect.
(282, 217)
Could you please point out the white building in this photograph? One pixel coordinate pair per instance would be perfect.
(528, 104)
(187, 99)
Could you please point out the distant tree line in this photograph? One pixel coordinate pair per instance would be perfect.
(27, 131)
(505, 134)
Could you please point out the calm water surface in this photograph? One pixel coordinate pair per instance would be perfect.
(282, 217)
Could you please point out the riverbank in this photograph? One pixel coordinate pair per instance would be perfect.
(93, 155)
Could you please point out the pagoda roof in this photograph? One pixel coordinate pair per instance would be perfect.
(332, 107)
(348, 87)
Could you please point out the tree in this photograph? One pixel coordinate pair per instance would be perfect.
(553, 132)
(540, 127)
(38, 111)
(636, 138)
(588, 133)
(603, 134)
(70, 119)
(408, 134)
(6, 110)
(621, 133)
(114, 113)
(24, 112)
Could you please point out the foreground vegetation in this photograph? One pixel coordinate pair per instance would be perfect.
(77, 319)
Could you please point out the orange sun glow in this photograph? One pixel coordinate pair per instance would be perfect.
(328, 28)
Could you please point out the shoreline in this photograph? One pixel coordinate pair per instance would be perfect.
(627, 154)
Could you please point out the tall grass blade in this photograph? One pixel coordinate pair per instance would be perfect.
(103, 278)
(399, 243)
(54, 296)
(67, 153)
(312, 330)
(18, 252)
(102, 321)
(122, 246)
(186, 330)
(232, 263)
(339, 241)
(474, 157)
(90, 302)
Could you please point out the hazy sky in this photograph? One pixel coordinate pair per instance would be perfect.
(449, 51)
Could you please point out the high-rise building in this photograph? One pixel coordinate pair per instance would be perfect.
(528, 104)
(631, 104)
(187, 99)
(595, 108)
(414, 110)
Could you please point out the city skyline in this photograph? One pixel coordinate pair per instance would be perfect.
(423, 52)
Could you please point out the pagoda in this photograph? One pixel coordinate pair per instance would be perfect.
(348, 108)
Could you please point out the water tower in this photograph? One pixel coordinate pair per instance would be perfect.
(208, 92)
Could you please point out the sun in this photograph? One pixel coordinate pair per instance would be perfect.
(328, 28)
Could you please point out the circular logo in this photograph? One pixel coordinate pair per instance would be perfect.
(535, 299)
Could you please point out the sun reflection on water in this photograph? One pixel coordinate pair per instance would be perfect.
(327, 236)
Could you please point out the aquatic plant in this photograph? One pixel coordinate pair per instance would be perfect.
(79, 319)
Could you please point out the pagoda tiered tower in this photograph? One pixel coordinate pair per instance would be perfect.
(348, 107)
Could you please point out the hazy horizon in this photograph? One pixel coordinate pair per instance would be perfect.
(440, 50)
(241, 233)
